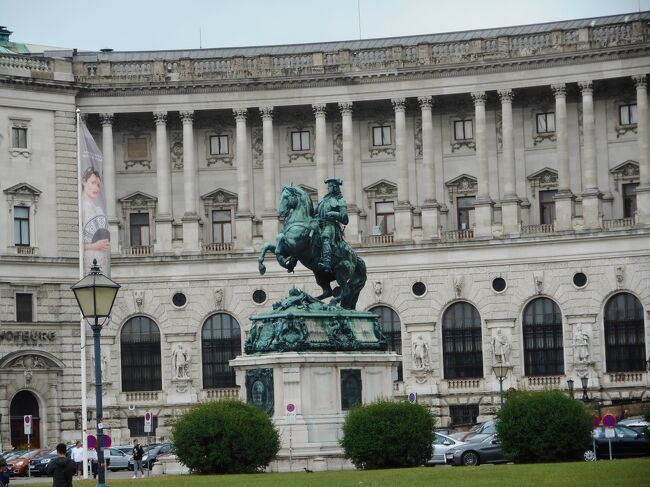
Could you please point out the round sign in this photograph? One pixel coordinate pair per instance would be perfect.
(413, 397)
(106, 441)
(609, 421)
(595, 422)
(291, 407)
(91, 440)
(27, 419)
(147, 416)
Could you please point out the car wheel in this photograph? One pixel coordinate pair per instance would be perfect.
(590, 456)
(470, 459)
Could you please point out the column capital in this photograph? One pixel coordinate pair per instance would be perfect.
(640, 80)
(267, 113)
(506, 96)
(240, 114)
(399, 104)
(187, 116)
(479, 97)
(426, 102)
(559, 90)
(106, 118)
(345, 107)
(319, 109)
(586, 87)
(160, 118)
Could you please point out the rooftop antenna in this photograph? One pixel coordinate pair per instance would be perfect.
(359, 16)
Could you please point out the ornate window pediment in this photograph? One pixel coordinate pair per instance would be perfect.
(22, 192)
(463, 185)
(382, 190)
(20, 137)
(627, 171)
(29, 360)
(219, 198)
(139, 201)
(543, 179)
(142, 203)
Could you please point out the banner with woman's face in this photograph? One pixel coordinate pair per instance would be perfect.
(95, 229)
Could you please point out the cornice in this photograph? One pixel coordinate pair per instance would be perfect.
(39, 84)
(369, 77)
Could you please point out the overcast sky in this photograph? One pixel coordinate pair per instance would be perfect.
(137, 25)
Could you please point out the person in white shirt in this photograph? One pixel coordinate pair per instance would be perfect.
(92, 459)
(77, 455)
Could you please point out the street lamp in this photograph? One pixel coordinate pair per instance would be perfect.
(95, 295)
(569, 384)
(585, 382)
(501, 371)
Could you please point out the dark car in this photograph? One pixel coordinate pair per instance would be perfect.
(483, 431)
(626, 442)
(151, 455)
(39, 463)
(487, 450)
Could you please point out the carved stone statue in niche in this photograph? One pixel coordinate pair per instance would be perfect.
(181, 362)
(420, 351)
(581, 344)
(378, 288)
(139, 298)
(501, 348)
(218, 298)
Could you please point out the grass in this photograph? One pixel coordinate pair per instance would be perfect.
(630, 472)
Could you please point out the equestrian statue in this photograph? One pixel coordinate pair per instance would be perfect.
(314, 237)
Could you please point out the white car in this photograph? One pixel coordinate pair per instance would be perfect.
(441, 444)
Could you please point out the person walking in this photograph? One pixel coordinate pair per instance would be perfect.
(4, 472)
(77, 454)
(92, 459)
(138, 453)
(62, 469)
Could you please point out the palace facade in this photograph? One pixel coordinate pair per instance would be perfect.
(498, 186)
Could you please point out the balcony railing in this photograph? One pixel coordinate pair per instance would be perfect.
(20, 250)
(457, 235)
(618, 223)
(221, 393)
(537, 229)
(545, 381)
(626, 377)
(132, 397)
(140, 250)
(379, 239)
(217, 248)
(464, 384)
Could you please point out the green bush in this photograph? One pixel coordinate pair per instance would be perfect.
(225, 437)
(543, 427)
(388, 435)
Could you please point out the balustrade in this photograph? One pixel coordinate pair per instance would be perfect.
(139, 251)
(457, 235)
(464, 384)
(378, 239)
(618, 223)
(216, 248)
(537, 229)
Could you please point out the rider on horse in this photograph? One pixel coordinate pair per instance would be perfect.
(330, 212)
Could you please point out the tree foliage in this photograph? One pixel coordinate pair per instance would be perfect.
(388, 435)
(543, 427)
(226, 436)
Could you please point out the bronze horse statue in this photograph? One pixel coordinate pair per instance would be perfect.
(299, 242)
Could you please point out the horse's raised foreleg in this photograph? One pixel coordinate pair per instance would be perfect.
(267, 247)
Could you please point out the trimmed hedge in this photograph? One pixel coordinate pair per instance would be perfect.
(543, 427)
(226, 436)
(388, 435)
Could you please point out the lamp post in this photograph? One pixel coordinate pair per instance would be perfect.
(569, 384)
(95, 295)
(585, 382)
(501, 371)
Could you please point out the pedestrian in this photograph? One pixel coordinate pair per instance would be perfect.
(92, 459)
(138, 453)
(62, 469)
(77, 455)
(4, 472)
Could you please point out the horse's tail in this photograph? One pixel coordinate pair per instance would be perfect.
(356, 282)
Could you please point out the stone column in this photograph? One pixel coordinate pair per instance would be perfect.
(483, 203)
(591, 197)
(243, 217)
(270, 222)
(321, 149)
(163, 242)
(403, 209)
(108, 177)
(643, 136)
(190, 182)
(349, 170)
(431, 207)
(564, 197)
(510, 216)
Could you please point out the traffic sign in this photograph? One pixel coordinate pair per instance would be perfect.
(148, 420)
(290, 414)
(27, 424)
(107, 441)
(609, 421)
(91, 441)
(610, 433)
(595, 422)
(291, 408)
(413, 397)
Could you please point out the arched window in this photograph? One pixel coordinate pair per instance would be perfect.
(140, 344)
(624, 334)
(22, 404)
(461, 338)
(543, 349)
(391, 326)
(220, 342)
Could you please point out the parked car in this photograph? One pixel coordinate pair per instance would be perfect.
(19, 465)
(446, 430)
(39, 463)
(625, 443)
(151, 455)
(487, 450)
(119, 460)
(637, 423)
(441, 444)
(483, 431)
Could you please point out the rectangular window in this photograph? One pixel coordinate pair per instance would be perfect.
(300, 141)
(219, 144)
(627, 114)
(547, 207)
(24, 308)
(136, 426)
(629, 199)
(139, 227)
(19, 138)
(21, 226)
(545, 123)
(221, 226)
(465, 414)
(463, 130)
(465, 212)
(381, 135)
(350, 388)
(385, 217)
